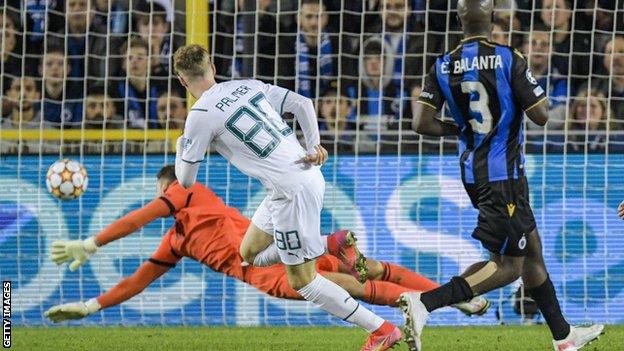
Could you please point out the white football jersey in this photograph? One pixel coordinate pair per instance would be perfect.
(241, 120)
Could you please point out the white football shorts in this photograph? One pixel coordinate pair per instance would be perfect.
(295, 222)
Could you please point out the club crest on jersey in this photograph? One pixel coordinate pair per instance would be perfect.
(530, 77)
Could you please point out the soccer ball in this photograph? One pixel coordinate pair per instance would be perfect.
(67, 179)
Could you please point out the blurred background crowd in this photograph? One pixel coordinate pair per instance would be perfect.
(107, 64)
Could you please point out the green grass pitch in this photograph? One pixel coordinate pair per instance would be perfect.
(498, 338)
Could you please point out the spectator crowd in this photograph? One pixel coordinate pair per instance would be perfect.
(98, 64)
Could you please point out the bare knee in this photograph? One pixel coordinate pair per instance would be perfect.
(247, 254)
(512, 270)
(254, 241)
(534, 247)
(246, 249)
(298, 282)
(301, 275)
(534, 271)
(503, 270)
(509, 267)
(534, 265)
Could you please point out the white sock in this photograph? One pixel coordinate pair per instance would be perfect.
(335, 300)
(267, 257)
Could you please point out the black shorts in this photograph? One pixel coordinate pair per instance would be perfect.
(505, 215)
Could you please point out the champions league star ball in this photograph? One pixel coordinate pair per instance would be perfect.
(67, 179)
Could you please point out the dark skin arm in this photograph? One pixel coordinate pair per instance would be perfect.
(425, 123)
(539, 113)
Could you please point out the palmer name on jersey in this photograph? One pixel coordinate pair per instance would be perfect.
(237, 93)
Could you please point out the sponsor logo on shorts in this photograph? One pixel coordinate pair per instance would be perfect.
(522, 242)
(511, 208)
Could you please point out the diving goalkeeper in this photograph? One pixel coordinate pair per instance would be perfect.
(210, 232)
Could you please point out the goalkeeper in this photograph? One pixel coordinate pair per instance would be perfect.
(210, 232)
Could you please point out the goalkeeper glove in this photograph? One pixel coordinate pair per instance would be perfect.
(74, 310)
(77, 251)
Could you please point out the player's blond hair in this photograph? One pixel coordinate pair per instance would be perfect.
(193, 61)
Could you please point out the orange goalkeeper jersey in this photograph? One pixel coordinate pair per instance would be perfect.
(205, 229)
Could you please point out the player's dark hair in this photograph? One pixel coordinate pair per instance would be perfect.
(167, 173)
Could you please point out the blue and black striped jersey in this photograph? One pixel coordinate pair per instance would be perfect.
(486, 87)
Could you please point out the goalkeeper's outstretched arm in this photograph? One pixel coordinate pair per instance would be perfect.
(133, 221)
(79, 251)
(123, 291)
(132, 285)
(161, 261)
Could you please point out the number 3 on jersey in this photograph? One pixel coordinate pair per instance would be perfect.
(258, 134)
(478, 107)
